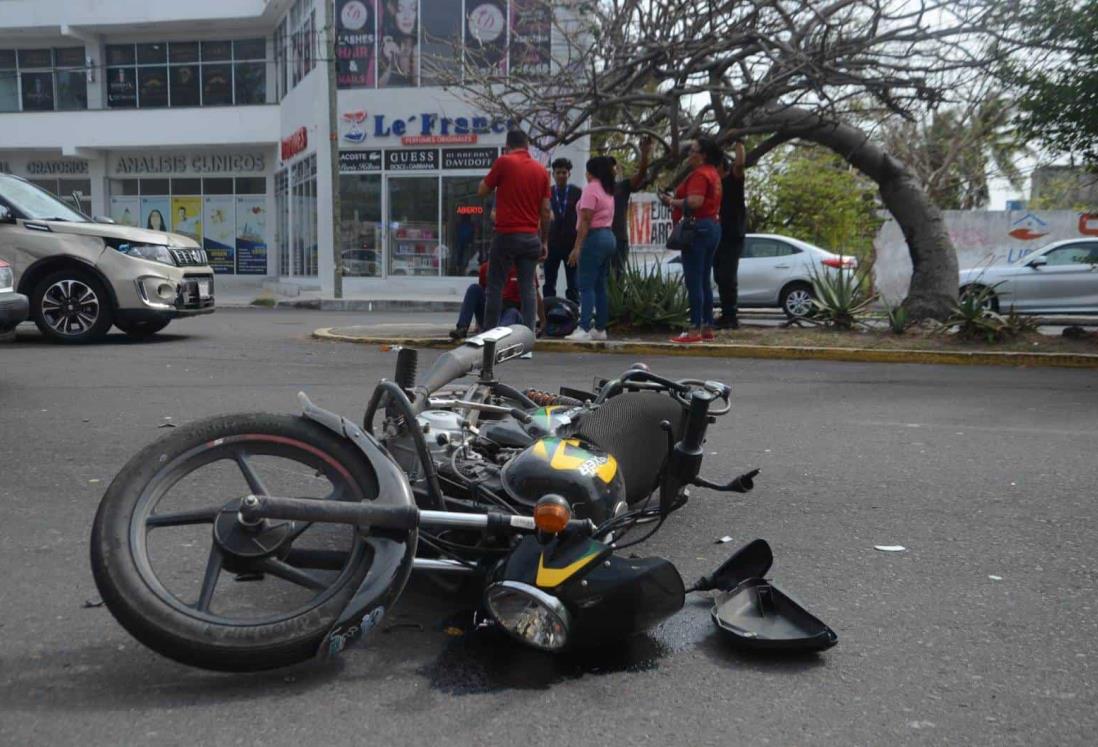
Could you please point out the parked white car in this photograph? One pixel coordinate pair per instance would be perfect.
(775, 271)
(1060, 278)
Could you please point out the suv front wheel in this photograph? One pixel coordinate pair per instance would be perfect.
(71, 305)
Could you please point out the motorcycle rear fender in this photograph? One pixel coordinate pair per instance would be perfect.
(391, 551)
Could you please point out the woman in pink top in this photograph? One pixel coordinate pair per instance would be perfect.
(595, 247)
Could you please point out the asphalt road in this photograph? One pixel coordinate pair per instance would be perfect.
(982, 632)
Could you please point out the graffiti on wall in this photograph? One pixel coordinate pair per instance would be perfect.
(981, 237)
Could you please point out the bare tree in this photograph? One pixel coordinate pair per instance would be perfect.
(818, 70)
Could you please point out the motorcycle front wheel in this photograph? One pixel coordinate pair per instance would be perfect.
(180, 569)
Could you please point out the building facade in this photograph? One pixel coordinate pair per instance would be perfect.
(210, 118)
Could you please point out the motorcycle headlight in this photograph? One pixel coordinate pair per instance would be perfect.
(153, 252)
(529, 614)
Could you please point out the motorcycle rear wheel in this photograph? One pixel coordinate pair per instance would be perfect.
(139, 555)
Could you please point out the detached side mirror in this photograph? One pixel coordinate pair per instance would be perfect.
(6, 215)
(103, 219)
(1037, 262)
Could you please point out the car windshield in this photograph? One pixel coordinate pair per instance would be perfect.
(35, 203)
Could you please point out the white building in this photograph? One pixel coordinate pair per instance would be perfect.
(211, 117)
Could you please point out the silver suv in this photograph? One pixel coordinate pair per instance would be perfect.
(82, 276)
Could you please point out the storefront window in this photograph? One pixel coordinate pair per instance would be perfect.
(187, 73)
(226, 216)
(441, 47)
(282, 220)
(152, 87)
(72, 90)
(185, 89)
(37, 91)
(304, 261)
(217, 85)
(37, 80)
(360, 224)
(466, 230)
(9, 82)
(75, 193)
(414, 247)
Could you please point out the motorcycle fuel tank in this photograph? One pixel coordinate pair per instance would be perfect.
(544, 421)
(589, 479)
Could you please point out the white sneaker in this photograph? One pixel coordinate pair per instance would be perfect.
(526, 356)
(579, 334)
(598, 335)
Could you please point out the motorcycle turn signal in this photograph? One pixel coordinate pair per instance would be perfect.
(552, 514)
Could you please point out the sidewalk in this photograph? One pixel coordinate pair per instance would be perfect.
(255, 296)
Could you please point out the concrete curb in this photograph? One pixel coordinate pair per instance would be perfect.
(866, 355)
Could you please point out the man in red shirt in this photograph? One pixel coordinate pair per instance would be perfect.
(472, 306)
(521, 187)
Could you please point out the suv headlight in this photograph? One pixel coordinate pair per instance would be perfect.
(152, 252)
(6, 277)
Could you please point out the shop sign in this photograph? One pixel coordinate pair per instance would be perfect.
(469, 158)
(418, 159)
(294, 143)
(178, 163)
(438, 140)
(51, 168)
(420, 128)
(359, 161)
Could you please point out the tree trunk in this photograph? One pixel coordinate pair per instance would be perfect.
(934, 277)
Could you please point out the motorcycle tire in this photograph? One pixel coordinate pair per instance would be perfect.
(195, 634)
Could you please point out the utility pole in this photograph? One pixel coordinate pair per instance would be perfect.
(333, 144)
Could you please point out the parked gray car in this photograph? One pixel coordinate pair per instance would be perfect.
(1060, 278)
(776, 271)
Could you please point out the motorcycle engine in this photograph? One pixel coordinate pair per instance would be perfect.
(440, 429)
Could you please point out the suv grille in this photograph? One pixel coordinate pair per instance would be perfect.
(188, 257)
(189, 297)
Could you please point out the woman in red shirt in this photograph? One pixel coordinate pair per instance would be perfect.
(700, 193)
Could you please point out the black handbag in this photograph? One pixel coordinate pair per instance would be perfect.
(682, 235)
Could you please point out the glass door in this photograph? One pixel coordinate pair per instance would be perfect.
(414, 246)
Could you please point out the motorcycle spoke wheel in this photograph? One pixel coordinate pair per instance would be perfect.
(189, 555)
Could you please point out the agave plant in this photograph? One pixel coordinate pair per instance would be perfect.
(898, 320)
(973, 317)
(843, 298)
(644, 298)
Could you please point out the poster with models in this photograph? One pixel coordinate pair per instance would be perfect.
(398, 47)
(125, 211)
(219, 241)
(251, 235)
(531, 34)
(486, 35)
(155, 212)
(356, 42)
(187, 217)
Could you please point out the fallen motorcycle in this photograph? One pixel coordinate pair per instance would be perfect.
(319, 522)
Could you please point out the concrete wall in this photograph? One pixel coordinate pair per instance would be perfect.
(981, 237)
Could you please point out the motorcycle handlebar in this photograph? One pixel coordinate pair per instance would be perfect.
(697, 421)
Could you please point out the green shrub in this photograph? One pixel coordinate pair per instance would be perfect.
(642, 298)
(843, 298)
(898, 320)
(974, 319)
